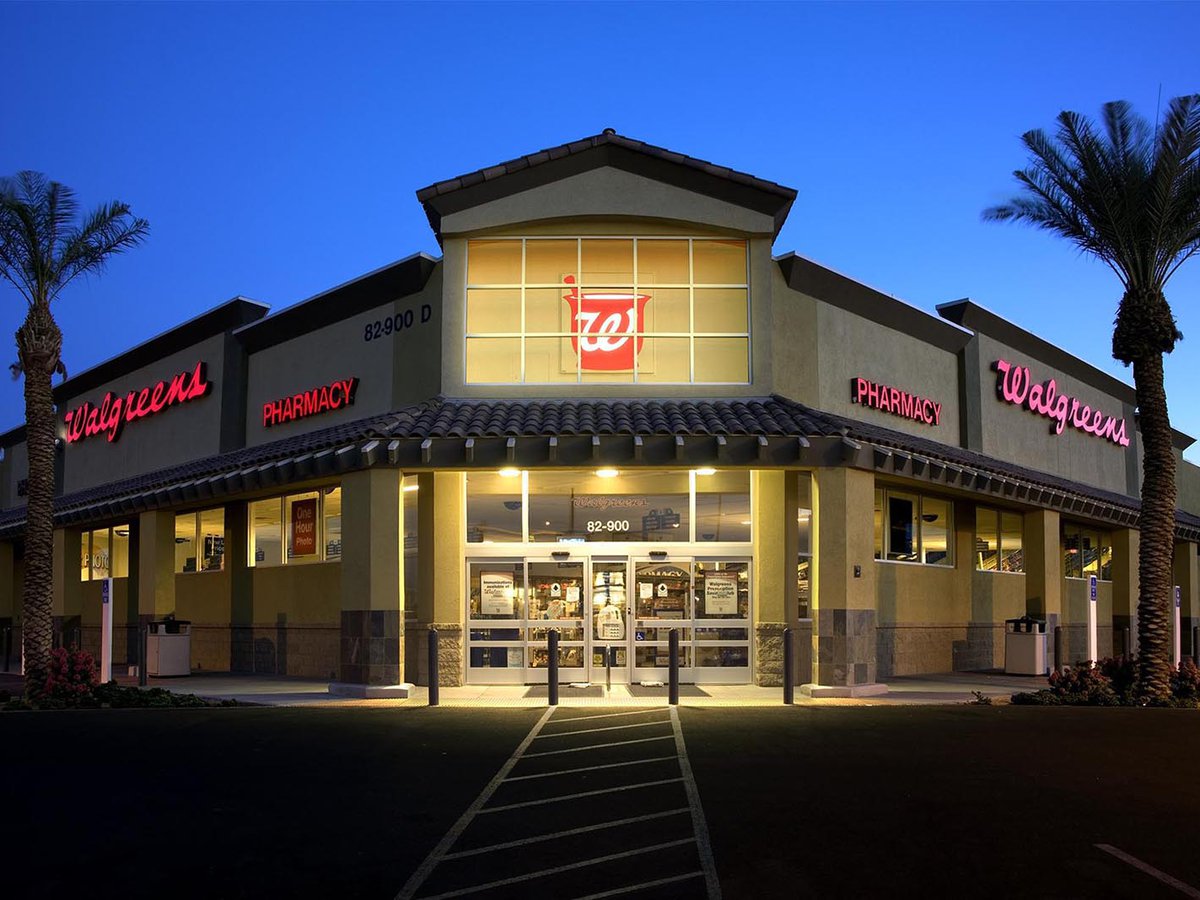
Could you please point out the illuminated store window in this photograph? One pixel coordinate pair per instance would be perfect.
(607, 310)
(998, 541)
(804, 554)
(1086, 552)
(104, 553)
(410, 499)
(200, 541)
(913, 528)
(608, 504)
(297, 528)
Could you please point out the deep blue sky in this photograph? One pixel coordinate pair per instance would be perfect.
(275, 148)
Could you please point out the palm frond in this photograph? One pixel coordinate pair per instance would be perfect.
(110, 229)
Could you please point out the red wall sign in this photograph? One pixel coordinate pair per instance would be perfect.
(310, 403)
(304, 527)
(895, 401)
(110, 416)
(610, 326)
(1015, 385)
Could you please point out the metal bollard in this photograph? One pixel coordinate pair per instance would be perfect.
(1125, 643)
(7, 646)
(789, 690)
(434, 698)
(1058, 648)
(607, 668)
(77, 634)
(1195, 644)
(143, 656)
(552, 667)
(673, 676)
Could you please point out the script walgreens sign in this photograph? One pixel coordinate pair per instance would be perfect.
(1015, 385)
(110, 416)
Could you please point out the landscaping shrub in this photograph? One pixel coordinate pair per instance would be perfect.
(1110, 682)
(70, 678)
(1083, 685)
(1185, 683)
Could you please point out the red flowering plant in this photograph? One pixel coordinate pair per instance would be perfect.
(1185, 683)
(71, 677)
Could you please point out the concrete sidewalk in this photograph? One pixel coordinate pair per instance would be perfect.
(918, 690)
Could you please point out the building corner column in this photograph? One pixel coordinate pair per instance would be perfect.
(440, 533)
(844, 639)
(68, 588)
(773, 498)
(1042, 548)
(371, 648)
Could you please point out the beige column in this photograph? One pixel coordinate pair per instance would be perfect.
(68, 589)
(156, 564)
(1042, 545)
(1187, 577)
(1124, 588)
(441, 532)
(844, 584)
(372, 624)
(10, 608)
(773, 499)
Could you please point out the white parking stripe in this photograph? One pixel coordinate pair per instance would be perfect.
(542, 737)
(636, 712)
(508, 845)
(699, 823)
(1186, 889)
(632, 762)
(665, 737)
(474, 889)
(435, 855)
(629, 889)
(561, 797)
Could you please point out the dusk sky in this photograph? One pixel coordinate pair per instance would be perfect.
(276, 148)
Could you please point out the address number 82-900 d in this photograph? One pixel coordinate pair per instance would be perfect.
(373, 331)
(610, 525)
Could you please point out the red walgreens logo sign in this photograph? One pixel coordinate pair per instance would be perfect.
(608, 326)
(110, 416)
(309, 403)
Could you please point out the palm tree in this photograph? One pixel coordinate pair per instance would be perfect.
(1130, 197)
(42, 250)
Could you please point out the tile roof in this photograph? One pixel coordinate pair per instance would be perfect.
(455, 419)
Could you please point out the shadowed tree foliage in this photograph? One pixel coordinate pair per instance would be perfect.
(1129, 195)
(43, 248)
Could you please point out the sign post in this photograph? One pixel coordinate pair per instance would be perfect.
(1178, 625)
(106, 606)
(1092, 643)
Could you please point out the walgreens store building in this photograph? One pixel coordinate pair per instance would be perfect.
(608, 409)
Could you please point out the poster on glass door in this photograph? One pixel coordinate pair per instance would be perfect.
(720, 593)
(496, 593)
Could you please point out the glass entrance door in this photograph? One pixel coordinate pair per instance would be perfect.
(609, 614)
(556, 600)
(663, 602)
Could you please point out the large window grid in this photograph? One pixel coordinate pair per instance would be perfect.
(200, 541)
(280, 528)
(714, 355)
(1086, 552)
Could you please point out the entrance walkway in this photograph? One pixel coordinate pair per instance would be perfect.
(591, 805)
(919, 690)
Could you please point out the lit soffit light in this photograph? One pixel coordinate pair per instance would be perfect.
(745, 522)
(607, 473)
(706, 471)
(509, 472)
(409, 488)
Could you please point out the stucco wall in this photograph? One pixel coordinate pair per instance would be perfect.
(393, 367)
(177, 434)
(13, 469)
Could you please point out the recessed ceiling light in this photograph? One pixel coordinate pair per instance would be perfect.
(607, 473)
(706, 471)
(509, 472)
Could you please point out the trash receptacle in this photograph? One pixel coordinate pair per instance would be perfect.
(1025, 646)
(169, 648)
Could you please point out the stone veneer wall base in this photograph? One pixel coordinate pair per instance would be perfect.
(768, 654)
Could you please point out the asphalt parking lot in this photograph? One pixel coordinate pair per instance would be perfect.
(839, 802)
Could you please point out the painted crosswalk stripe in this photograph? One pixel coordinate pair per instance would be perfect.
(1181, 886)
(645, 885)
(699, 823)
(618, 765)
(582, 794)
(583, 829)
(636, 712)
(542, 873)
(557, 734)
(665, 737)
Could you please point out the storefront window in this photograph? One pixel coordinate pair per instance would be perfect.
(723, 506)
(804, 523)
(607, 310)
(297, 528)
(200, 541)
(104, 553)
(1086, 552)
(409, 489)
(185, 542)
(998, 538)
(916, 528)
(614, 505)
(494, 506)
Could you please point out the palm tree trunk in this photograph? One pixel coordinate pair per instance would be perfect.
(39, 343)
(1157, 530)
